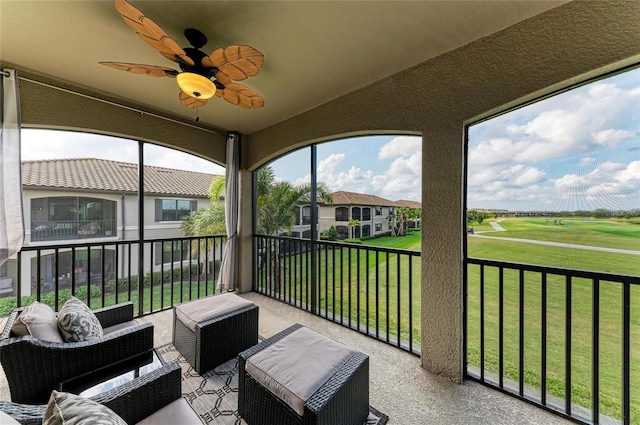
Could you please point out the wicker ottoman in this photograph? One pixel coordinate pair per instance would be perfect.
(301, 377)
(213, 330)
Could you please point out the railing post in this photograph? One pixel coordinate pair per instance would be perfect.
(314, 229)
(140, 227)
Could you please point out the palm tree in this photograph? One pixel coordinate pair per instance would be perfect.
(207, 221)
(278, 203)
(352, 224)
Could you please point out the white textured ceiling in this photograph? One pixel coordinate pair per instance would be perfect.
(314, 51)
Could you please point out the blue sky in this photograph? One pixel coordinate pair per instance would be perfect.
(51, 144)
(579, 150)
(386, 166)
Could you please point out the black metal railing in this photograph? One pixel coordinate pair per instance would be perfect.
(107, 273)
(373, 290)
(72, 229)
(565, 340)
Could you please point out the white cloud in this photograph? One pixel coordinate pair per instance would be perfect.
(610, 185)
(573, 122)
(610, 137)
(400, 180)
(400, 146)
(586, 162)
(490, 152)
(529, 176)
(40, 144)
(630, 174)
(565, 152)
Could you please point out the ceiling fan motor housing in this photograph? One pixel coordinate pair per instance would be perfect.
(197, 56)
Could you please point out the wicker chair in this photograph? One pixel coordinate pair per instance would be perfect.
(34, 367)
(132, 401)
(343, 399)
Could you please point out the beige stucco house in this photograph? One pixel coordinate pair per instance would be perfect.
(88, 200)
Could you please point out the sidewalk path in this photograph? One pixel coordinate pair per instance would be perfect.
(497, 227)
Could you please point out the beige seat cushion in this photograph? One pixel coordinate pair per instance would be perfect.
(295, 367)
(198, 311)
(119, 327)
(40, 322)
(176, 412)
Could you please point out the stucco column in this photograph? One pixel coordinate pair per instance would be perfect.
(442, 295)
(245, 232)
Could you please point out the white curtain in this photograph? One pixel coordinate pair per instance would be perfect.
(229, 266)
(11, 224)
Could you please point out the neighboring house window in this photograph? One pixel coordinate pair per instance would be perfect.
(356, 232)
(295, 234)
(366, 230)
(355, 213)
(174, 209)
(169, 252)
(366, 214)
(72, 217)
(378, 227)
(306, 215)
(343, 232)
(306, 234)
(378, 211)
(342, 214)
(390, 210)
(298, 218)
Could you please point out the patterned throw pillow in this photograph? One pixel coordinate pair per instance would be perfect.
(77, 322)
(67, 409)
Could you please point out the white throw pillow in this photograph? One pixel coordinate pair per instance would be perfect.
(67, 408)
(77, 322)
(40, 322)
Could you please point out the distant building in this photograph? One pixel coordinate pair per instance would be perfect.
(95, 200)
(371, 211)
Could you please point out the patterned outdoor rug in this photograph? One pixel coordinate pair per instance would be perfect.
(214, 396)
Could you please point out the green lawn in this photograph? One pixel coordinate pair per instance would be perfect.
(351, 288)
(621, 234)
(351, 296)
(608, 233)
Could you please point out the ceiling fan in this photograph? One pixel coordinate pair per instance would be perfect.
(202, 76)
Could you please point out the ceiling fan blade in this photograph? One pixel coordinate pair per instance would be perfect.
(191, 102)
(151, 32)
(138, 68)
(237, 62)
(241, 95)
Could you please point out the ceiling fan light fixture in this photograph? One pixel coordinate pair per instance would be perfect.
(196, 85)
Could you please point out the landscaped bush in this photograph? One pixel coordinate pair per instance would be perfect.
(9, 303)
(160, 277)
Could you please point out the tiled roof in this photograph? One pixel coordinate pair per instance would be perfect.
(352, 198)
(113, 176)
(409, 204)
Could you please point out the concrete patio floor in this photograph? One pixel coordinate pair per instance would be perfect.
(399, 387)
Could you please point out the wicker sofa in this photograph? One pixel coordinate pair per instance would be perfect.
(155, 395)
(34, 368)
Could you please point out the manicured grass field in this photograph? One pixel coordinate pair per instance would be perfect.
(621, 234)
(610, 234)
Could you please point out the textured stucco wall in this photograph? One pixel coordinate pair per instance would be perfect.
(436, 99)
(43, 106)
